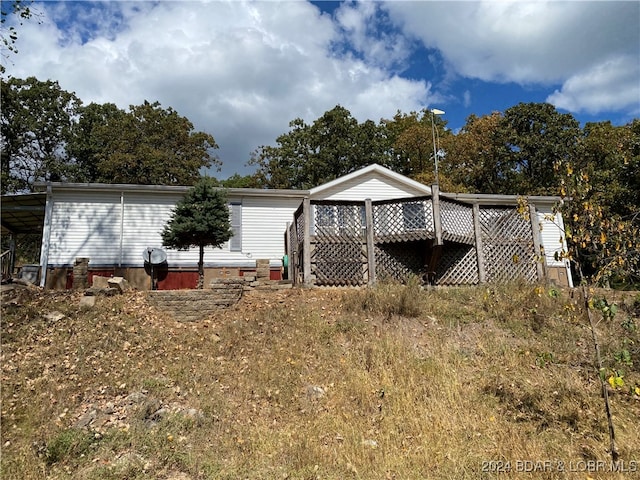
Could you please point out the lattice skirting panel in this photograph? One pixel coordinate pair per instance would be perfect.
(398, 261)
(339, 264)
(506, 261)
(458, 265)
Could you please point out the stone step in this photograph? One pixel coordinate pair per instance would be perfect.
(194, 305)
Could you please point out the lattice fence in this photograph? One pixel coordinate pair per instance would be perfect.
(338, 263)
(299, 226)
(457, 222)
(458, 265)
(403, 220)
(338, 255)
(400, 260)
(296, 246)
(403, 242)
(507, 245)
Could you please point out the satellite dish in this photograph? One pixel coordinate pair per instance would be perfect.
(155, 259)
(154, 256)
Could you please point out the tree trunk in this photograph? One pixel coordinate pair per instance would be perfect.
(201, 269)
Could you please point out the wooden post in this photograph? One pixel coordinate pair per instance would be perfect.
(371, 252)
(46, 237)
(293, 260)
(287, 251)
(535, 233)
(291, 250)
(12, 255)
(477, 230)
(287, 237)
(306, 243)
(437, 220)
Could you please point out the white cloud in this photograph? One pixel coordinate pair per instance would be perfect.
(541, 42)
(521, 41)
(609, 86)
(466, 97)
(238, 70)
(368, 34)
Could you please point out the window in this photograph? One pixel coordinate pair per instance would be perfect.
(339, 219)
(235, 218)
(325, 216)
(413, 216)
(351, 219)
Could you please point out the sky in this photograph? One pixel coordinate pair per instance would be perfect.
(242, 70)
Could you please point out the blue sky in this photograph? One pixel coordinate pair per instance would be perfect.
(243, 70)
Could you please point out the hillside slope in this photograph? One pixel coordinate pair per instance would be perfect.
(389, 383)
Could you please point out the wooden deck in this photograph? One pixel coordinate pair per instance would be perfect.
(447, 242)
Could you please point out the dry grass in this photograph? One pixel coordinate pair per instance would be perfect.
(395, 382)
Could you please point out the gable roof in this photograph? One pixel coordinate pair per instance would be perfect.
(373, 170)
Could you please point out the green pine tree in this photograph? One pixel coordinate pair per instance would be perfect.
(200, 219)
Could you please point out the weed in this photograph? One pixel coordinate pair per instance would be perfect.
(544, 358)
(68, 444)
(389, 298)
(607, 310)
(629, 324)
(349, 325)
(623, 357)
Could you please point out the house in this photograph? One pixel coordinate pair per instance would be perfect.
(111, 227)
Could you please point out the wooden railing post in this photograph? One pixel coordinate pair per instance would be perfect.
(535, 233)
(294, 269)
(437, 220)
(371, 253)
(288, 251)
(477, 230)
(306, 243)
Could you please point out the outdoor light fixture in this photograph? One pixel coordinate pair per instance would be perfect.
(434, 112)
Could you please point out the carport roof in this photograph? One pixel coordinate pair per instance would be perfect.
(23, 213)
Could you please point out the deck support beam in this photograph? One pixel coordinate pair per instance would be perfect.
(477, 230)
(306, 243)
(371, 252)
(437, 219)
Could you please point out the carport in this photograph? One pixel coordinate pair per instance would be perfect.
(21, 214)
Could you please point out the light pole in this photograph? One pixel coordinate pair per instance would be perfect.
(434, 112)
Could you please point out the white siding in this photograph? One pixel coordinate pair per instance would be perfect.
(90, 224)
(370, 186)
(145, 216)
(264, 224)
(85, 227)
(553, 239)
(552, 235)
